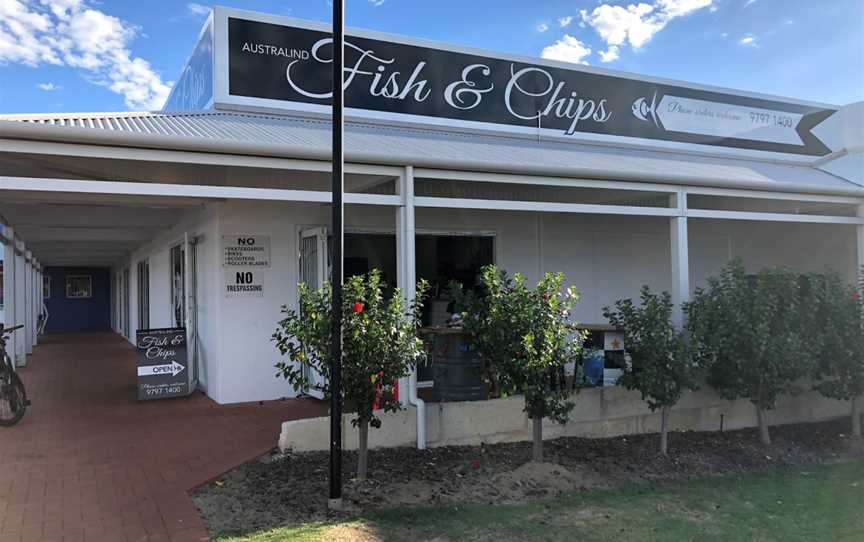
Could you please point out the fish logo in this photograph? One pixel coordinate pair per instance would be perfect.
(642, 110)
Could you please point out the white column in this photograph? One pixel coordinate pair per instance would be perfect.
(860, 243)
(28, 303)
(680, 259)
(9, 287)
(37, 302)
(406, 262)
(20, 304)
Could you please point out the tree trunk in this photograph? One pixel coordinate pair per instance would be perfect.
(764, 435)
(856, 417)
(363, 450)
(537, 450)
(664, 430)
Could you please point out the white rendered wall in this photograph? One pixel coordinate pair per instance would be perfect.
(201, 225)
(247, 353)
(606, 258)
(802, 247)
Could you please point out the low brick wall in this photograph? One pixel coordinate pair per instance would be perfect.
(599, 412)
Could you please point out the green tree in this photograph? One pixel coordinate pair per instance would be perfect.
(752, 326)
(379, 346)
(665, 362)
(524, 336)
(836, 341)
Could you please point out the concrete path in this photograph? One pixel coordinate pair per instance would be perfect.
(90, 463)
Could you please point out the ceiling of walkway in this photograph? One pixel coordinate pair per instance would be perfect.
(87, 229)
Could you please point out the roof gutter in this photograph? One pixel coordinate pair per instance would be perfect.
(93, 136)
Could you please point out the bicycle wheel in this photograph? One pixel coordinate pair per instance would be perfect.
(13, 399)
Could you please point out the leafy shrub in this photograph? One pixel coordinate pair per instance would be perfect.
(835, 316)
(753, 327)
(379, 346)
(665, 362)
(524, 336)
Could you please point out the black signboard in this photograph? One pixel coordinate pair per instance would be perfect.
(293, 64)
(162, 363)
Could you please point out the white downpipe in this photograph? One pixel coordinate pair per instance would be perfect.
(406, 270)
(420, 404)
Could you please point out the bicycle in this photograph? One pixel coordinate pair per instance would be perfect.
(13, 398)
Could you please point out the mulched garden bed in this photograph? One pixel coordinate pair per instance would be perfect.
(289, 489)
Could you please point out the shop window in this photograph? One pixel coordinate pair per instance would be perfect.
(440, 259)
(143, 294)
(178, 286)
(79, 286)
(46, 287)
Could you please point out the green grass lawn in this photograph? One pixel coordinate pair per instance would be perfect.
(823, 503)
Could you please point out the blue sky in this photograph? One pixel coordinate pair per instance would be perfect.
(110, 55)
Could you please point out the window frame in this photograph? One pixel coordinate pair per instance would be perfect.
(89, 279)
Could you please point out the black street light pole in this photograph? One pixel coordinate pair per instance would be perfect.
(337, 208)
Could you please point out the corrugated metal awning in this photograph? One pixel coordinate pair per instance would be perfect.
(291, 137)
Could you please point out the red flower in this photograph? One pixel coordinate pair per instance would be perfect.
(358, 308)
(856, 296)
(475, 464)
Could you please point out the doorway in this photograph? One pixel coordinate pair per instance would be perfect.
(143, 294)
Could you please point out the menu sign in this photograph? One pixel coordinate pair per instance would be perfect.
(162, 363)
(292, 64)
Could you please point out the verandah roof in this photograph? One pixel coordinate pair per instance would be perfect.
(290, 137)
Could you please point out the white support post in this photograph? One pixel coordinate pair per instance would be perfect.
(20, 304)
(37, 302)
(859, 235)
(680, 259)
(28, 302)
(9, 290)
(406, 278)
(406, 270)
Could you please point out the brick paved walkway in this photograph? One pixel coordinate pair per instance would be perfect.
(89, 463)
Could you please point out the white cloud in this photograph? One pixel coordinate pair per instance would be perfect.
(377, 3)
(617, 24)
(48, 87)
(198, 10)
(567, 49)
(748, 40)
(72, 33)
(636, 24)
(679, 8)
(565, 21)
(749, 3)
(542, 27)
(20, 35)
(609, 54)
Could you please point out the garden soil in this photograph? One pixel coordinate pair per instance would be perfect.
(284, 489)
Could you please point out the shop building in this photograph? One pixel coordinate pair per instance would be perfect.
(206, 215)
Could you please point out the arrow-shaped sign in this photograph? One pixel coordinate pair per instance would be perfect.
(172, 368)
(692, 116)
